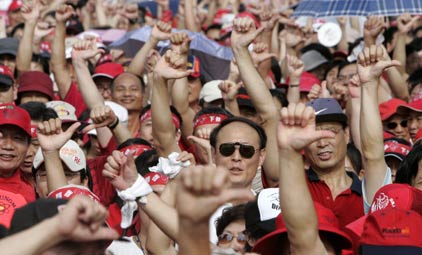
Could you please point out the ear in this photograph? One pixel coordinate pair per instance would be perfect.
(262, 155)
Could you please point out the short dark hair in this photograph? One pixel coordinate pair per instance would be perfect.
(146, 160)
(39, 111)
(259, 130)
(141, 80)
(344, 64)
(229, 215)
(132, 141)
(280, 96)
(409, 166)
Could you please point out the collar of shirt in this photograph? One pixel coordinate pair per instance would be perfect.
(356, 183)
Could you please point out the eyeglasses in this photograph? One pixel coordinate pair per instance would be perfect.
(4, 87)
(226, 238)
(246, 151)
(393, 125)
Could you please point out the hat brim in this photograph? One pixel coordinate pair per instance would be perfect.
(4, 79)
(395, 155)
(7, 51)
(405, 109)
(102, 75)
(334, 117)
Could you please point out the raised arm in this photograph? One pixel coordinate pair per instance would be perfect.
(179, 94)
(161, 31)
(243, 34)
(370, 67)
(58, 57)
(295, 131)
(396, 82)
(52, 138)
(31, 14)
(191, 22)
(374, 25)
(404, 25)
(170, 66)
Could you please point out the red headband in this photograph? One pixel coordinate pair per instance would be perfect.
(209, 118)
(136, 149)
(147, 115)
(243, 96)
(33, 131)
(156, 179)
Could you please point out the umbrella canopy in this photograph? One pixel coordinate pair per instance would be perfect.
(325, 8)
(214, 58)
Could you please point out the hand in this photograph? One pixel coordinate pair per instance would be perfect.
(131, 12)
(84, 50)
(244, 32)
(186, 156)
(64, 12)
(342, 21)
(102, 116)
(202, 189)
(161, 31)
(295, 68)
(52, 137)
(374, 25)
(267, 19)
(180, 43)
(292, 36)
(31, 11)
(204, 143)
(83, 220)
(229, 90)
(261, 53)
(42, 30)
(172, 66)
(354, 87)
(152, 60)
(120, 170)
(296, 128)
(371, 65)
(405, 22)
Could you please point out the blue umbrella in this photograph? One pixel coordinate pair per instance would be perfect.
(326, 8)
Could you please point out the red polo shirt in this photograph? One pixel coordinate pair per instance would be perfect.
(18, 185)
(347, 206)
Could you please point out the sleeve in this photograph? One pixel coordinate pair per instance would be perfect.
(101, 186)
(387, 180)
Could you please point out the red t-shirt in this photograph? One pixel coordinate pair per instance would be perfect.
(18, 185)
(100, 185)
(74, 98)
(347, 206)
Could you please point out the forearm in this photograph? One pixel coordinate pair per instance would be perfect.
(255, 85)
(343, 45)
(121, 133)
(164, 130)
(24, 56)
(400, 52)
(58, 60)
(299, 215)
(88, 89)
(38, 239)
(190, 22)
(180, 99)
(54, 168)
(137, 65)
(397, 83)
(232, 106)
(293, 93)
(101, 16)
(194, 238)
(274, 39)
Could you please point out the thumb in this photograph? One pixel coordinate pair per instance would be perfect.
(88, 128)
(72, 128)
(387, 64)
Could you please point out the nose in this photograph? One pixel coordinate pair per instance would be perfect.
(235, 245)
(6, 143)
(236, 154)
(322, 143)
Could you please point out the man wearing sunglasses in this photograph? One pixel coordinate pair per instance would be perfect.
(239, 145)
(392, 120)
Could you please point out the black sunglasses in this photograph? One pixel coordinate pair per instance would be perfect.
(227, 238)
(246, 151)
(393, 125)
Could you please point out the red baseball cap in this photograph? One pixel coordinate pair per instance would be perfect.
(392, 196)
(389, 108)
(327, 224)
(307, 81)
(110, 70)
(392, 231)
(11, 114)
(6, 76)
(394, 147)
(415, 106)
(15, 5)
(36, 81)
(71, 190)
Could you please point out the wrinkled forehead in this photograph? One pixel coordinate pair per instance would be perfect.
(238, 132)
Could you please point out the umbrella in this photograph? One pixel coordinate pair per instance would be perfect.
(325, 8)
(214, 58)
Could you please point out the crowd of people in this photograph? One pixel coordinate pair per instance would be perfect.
(303, 142)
